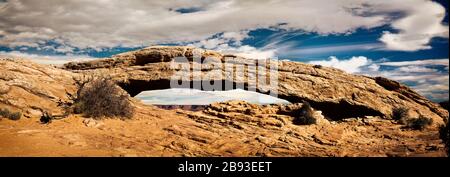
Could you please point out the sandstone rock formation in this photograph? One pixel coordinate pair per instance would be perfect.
(336, 93)
(352, 111)
(33, 88)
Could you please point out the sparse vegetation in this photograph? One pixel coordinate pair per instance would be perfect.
(46, 118)
(6, 113)
(318, 66)
(304, 115)
(15, 116)
(419, 123)
(444, 134)
(400, 114)
(101, 97)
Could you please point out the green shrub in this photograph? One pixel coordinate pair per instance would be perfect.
(304, 115)
(419, 123)
(102, 98)
(400, 114)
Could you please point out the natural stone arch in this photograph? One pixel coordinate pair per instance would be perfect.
(335, 111)
(336, 93)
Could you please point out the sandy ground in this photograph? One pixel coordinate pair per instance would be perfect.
(73, 136)
(156, 132)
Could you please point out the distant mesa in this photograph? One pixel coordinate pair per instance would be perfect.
(183, 107)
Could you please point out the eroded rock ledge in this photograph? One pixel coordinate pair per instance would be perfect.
(336, 93)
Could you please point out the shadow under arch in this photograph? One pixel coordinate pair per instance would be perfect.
(332, 110)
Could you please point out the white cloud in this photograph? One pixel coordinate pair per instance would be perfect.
(374, 67)
(417, 69)
(64, 49)
(235, 37)
(45, 59)
(111, 23)
(292, 49)
(247, 51)
(352, 65)
(436, 88)
(251, 52)
(230, 43)
(442, 62)
(421, 24)
(421, 75)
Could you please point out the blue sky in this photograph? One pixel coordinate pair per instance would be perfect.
(403, 40)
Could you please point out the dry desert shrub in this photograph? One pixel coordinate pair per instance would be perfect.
(419, 123)
(304, 115)
(400, 114)
(6, 113)
(101, 97)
